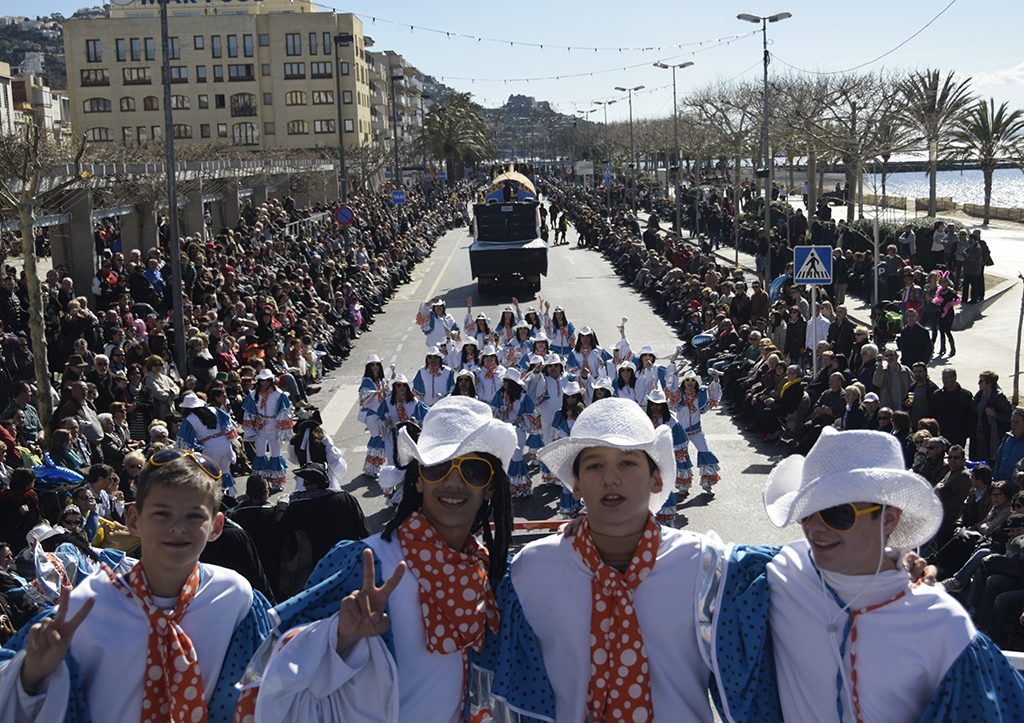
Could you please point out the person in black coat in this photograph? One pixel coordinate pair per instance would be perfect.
(914, 342)
(952, 407)
(841, 333)
(258, 517)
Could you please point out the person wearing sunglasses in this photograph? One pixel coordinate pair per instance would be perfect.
(851, 638)
(417, 607)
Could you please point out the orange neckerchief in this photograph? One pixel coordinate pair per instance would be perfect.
(451, 621)
(617, 648)
(173, 689)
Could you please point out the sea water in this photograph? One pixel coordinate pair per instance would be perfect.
(961, 186)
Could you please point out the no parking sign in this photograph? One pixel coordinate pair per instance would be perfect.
(344, 216)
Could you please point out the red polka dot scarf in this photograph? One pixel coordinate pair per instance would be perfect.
(456, 598)
(620, 687)
(173, 689)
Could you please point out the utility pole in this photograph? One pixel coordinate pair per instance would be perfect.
(340, 41)
(632, 153)
(675, 124)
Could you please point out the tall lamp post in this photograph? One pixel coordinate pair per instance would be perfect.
(632, 154)
(396, 177)
(585, 114)
(340, 41)
(767, 153)
(605, 104)
(675, 124)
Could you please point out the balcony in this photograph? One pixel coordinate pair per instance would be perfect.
(247, 110)
(242, 78)
(95, 83)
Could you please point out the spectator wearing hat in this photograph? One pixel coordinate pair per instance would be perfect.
(916, 650)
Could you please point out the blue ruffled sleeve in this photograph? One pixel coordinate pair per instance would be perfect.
(249, 635)
(520, 680)
(741, 643)
(981, 685)
(187, 437)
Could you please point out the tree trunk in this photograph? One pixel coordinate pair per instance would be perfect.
(988, 192)
(849, 170)
(812, 170)
(36, 325)
(933, 172)
(860, 188)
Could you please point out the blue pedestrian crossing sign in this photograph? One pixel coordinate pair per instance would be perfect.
(442, 176)
(398, 197)
(812, 264)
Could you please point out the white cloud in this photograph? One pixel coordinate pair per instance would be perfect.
(1006, 76)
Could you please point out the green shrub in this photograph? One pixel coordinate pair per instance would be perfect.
(889, 233)
(780, 211)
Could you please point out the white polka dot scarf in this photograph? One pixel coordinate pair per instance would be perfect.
(455, 596)
(173, 689)
(620, 687)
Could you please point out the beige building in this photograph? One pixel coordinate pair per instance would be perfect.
(261, 74)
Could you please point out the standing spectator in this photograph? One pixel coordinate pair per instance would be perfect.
(908, 243)
(1011, 449)
(841, 333)
(946, 300)
(920, 397)
(892, 381)
(974, 271)
(937, 257)
(893, 272)
(162, 389)
(953, 408)
(914, 343)
(992, 418)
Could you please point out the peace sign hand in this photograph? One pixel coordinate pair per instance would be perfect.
(361, 613)
(49, 641)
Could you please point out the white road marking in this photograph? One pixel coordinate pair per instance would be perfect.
(399, 347)
(336, 410)
(394, 358)
(405, 337)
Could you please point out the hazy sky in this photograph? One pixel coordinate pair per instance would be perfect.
(973, 37)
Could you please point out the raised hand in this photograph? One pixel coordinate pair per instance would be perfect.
(361, 613)
(48, 642)
(469, 302)
(919, 569)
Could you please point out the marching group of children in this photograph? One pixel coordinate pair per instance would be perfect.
(538, 373)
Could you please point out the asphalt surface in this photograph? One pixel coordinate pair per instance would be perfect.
(583, 282)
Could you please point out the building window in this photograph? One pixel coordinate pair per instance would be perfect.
(204, 102)
(243, 104)
(323, 126)
(215, 45)
(247, 45)
(268, 129)
(298, 128)
(151, 102)
(136, 76)
(127, 134)
(264, 40)
(175, 48)
(348, 125)
(136, 46)
(150, 53)
(198, 43)
(346, 97)
(293, 43)
(294, 71)
(143, 135)
(218, 74)
(179, 74)
(240, 72)
(320, 70)
(96, 105)
(344, 68)
(180, 102)
(312, 43)
(295, 97)
(222, 130)
(127, 104)
(200, 73)
(218, 101)
(156, 132)
(93, 51)
(182, 131)
(323, 97)
(265, 69)
(95, 77)
(232, 46)
(99, 134)
(245, 134)
(268, 99)
(327, 43)
(204, 130)
(122, 51)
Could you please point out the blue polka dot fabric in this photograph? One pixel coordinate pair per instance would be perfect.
(248, 637)
(980, 686)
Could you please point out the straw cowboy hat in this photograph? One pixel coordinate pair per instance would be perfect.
(457, 426)
(618, 423)
(829, 476)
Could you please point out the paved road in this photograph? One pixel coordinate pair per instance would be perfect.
(583, 282)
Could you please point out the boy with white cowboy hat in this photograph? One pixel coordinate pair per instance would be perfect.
(434, 380)
(622, 592)
(513, 405)
(402, 626)
(851, 638)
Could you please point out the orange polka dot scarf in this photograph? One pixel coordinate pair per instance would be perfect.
(620, 683)
(173, 689)
(456, 598)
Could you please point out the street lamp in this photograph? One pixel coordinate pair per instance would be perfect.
(341, 41)
(605, 104)
(396, 179)
(675, 123)
(767, 154)
(586, 116)
(632, 156)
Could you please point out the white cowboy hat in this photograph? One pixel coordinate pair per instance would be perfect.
(627, 365)
(433, 351)
(522, 325)
(373, 358)
(481, 315)
(829, 476)
(553, 358)
(471, 341)
(603, 382)
(541, 336)
(647, 349)
(690, 374)
(535, 359)
(489, 350)
(457, 426)
(400, 379)
(657, 396)
(514, 375)
(465, 373)
(570, 389)
(618, 423)
(191, 401)
(586, 331)
(265, 374)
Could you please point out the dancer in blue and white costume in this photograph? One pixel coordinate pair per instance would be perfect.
(400, 406)
(506, 326)
(587, 358)
(434, 380)
(660, 413)
(436, 323)
(572, 404)
(562, 333)
(694, 401)
(466, 358)
(546, 391)
(650, 375)
(513, 405)
(209, 430)
(626, 385)
(519, 348)
(540, 346)
(372, 391)
(477, 327)
(267, 421)
(488, 377)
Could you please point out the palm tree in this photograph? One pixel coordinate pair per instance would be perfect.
(989, 135)
(933, 106)
(456, 130)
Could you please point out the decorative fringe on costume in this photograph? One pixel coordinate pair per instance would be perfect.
(374, 456)
(667, 514)
(568, 506)
(519, 478)
(273, 469)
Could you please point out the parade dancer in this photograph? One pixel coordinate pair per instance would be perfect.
(650, 375)
(400, 406)
(465, 384)
(519, 348)
(598, 388)
(537, 321)
(695, 400)
(209, 430)
(572, 405)
(513, 405)
(434, 380)
(267, 422)
(466, 358)
(506, 326)
(562, 333)
(626, 385)
(587, 358)
(372, 391)
(436, 323)
(660, 413)
(488, 378)
(539, 346)
(477, 327)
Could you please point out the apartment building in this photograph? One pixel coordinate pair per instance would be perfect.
(258, 74)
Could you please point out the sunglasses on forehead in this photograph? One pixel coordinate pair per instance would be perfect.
(477, 472)
(167, 456)
(841, 517)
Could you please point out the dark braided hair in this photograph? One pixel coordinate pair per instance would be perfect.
(498, 510)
